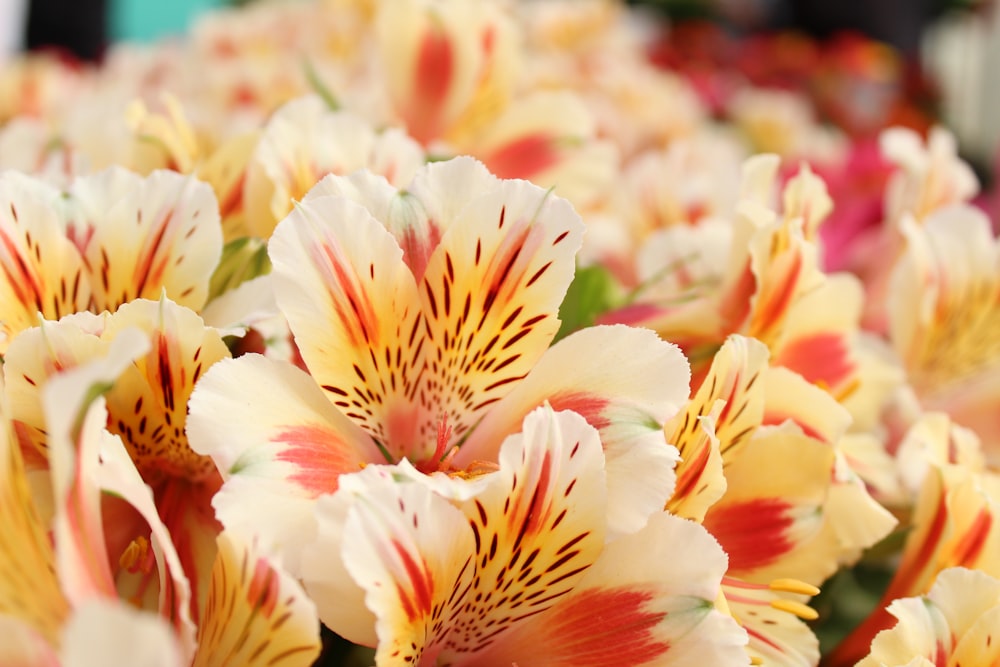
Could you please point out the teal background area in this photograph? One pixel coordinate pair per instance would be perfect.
(147, 20)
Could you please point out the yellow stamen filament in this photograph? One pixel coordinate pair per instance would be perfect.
(796, 609)
(793, 586)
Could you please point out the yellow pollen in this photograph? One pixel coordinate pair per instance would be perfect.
(793, 586)
(796, 609)
(756, 660)
(135, 558)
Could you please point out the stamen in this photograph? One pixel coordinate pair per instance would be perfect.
(756, 660)
(793, 586)
(137, 556)
(795, 608)
(444, 435)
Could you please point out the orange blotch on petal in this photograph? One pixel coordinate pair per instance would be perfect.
(524, 157)
(754, 533)
(318, 455)
(433, 74)
(604, 627)
(588, 406)
(821, 358)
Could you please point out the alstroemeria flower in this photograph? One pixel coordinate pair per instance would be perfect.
(51, 569)
(786, 531)
(512, 567)
(147, 408)
(956, 523)
(167, 140)
(944, 321)
(305, 140)
(113, 237)
(954, 624)
(930, 174)
(767, 285)
(424, 317)
(54, 593)
(927, 178)
(450, 69)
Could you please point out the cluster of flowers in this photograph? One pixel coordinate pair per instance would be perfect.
(278, 307)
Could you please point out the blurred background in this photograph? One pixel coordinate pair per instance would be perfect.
(942, 53)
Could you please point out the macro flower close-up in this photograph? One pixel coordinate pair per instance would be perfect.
(500, 333)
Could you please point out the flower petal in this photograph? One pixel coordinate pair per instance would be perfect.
(40, 270)
(490, 298)
(23, 646)
(279, 444)
(148, 404)
(29, 589)
(256, 614)
(103, 633)
(75, 417)
(141, 236)
(628, 609)
(32, 359)
(538, 525)
(769, 526)
(707, 435)
(633, 383)
(119, 477)
(413, 554)
(352, 304)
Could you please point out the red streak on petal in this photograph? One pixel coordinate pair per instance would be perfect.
(690, 472)
(634, 315)
(587, 405)
(820, 358)
(146, 272)
(422, 585)
(234, 198)
(354, 308)
(25, 283)
(773, 418)
(264, 589)
(756, 634)
(910, 569)
(319, 455)
(940, 655)
(605, 627)
(754, 533)
(735, 303)
(775, 302)
(524, 157)
(417, 249)
(970, 546)
(433, 74)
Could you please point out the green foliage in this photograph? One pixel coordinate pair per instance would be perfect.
(594, 291)
(242, 259)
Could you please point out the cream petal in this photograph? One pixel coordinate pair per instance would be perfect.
(256, 614)
(630, 385)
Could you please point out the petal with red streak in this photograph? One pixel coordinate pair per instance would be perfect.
(141, 236)
(413, 554)
(256, 614)
(628, 610)
(538, 526)
(40, 270)
(278, 443)
(353, 306)
(631, 384)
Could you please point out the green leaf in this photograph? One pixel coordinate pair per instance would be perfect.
(242, 259)
(594, 291)
(320, 88)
